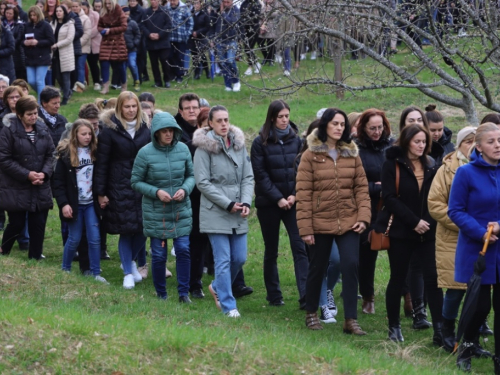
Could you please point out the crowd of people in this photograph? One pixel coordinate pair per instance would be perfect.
(124, 167)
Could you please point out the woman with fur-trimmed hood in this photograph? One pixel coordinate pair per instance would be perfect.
(224, 176)
(333, 203)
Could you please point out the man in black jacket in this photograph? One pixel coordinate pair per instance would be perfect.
(156, 26)
(50, 99)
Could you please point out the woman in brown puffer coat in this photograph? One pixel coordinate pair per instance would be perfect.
(333, 203)
(112, 25)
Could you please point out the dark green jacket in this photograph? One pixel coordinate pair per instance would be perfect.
(168, 168)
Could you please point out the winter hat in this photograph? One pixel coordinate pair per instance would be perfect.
(463, 133)
(319, 114)
(204, 103)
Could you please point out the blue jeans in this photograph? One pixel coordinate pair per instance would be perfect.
(88, 219)
(226, 56)
(182, 263)
(132, 65)
(129, 246)
(451, 303)
(119, 66)
(230, 254)
(332, 274)
(80, 67)
(36, 77)
(287, 60)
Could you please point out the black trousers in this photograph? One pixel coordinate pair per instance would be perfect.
(36, 228)
(63, 78)
(142, 60)
(270, 219)
(319, 255)
(268, 48)
(93, 61)
(482, 310)
(367, 264)
(250, 37)
(400, 255)
(198, 49)
(159, 57)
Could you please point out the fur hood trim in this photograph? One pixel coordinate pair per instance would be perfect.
(345, 150)
(106, 118)
(206, 139)
(7, 120)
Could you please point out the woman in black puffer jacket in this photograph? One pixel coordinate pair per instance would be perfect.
(274, 157)
(7, 49)
(373, 138)
(125, 132)
(26, 164)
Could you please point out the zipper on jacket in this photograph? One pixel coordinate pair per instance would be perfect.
(338, 194)
(286, 169)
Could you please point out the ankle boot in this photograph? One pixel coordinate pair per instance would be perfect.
(496, 362)
(351, 326)
(395, 333)
(420, 316)
(408, 306)
(464, 356)
(105, 88)
(437, 338)
(478, 351)
(485, 330)
(369, 305)
(449, 337)
(124, 87)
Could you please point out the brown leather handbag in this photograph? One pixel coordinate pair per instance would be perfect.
(380, 241)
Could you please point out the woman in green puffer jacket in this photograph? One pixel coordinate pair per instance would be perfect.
(163, 173)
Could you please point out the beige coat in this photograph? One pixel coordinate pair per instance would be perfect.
(65, 45)
(446, 231)
(85, 40)
(331, 195)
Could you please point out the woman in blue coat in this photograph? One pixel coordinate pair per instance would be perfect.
(474, 205)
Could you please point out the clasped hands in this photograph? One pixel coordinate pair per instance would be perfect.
(166, 198)
(358, 227)
(36, 178)
(286, 204)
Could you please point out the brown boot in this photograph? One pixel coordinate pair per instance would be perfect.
(408, 306)
(369, 305)
(351, 326)
(312, 321)
(105, 88)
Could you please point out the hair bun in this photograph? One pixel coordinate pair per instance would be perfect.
(430, 107)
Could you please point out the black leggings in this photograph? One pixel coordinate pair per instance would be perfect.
(400, 254)
(482, 310)
(93, 61)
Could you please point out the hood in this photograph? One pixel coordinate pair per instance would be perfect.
(207, 140)
(181, 4)
(446, 137)
(161, 121)
(11, 117)
(108, 119)
(345, 150)
(478, 161)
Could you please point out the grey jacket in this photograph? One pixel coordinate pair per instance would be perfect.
(223, 176)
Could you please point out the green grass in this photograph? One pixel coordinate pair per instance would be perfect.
(57, 323)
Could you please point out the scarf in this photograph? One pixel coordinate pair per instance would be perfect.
(282, 133)
(51, 119)
(462, 159)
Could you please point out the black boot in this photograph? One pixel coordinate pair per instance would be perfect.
(478, 351)
(485, 330)
(395, 333)
(420, 316)
(197, 72)
(464, 356)
(449, 337)
(437, 338)
(496, 362)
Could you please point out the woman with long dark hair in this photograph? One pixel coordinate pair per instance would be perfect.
(413, 230)
(274, 153)
(332, 204)
(124, 133)
(16, 26)
(63, 56)
(373, 139)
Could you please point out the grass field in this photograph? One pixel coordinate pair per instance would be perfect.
(57, 323)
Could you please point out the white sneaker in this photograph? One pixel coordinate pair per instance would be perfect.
(249, 71)
(228, 89)
(286, 73)
(233, 314)
(278, 58)
(97, 87)
(135, 273)
(331, 303)
(168, 274)
(101, 279)
(236, 87)
(326, 315)
(302, 56)
(257, 68)
(143, 271)
(172, 252)
(128, 282)
(313, 55)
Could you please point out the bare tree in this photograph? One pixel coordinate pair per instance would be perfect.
(462, 60)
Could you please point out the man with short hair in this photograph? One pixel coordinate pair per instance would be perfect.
(226, 40)
(182, 28)
(156, 26)
(50, 99)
